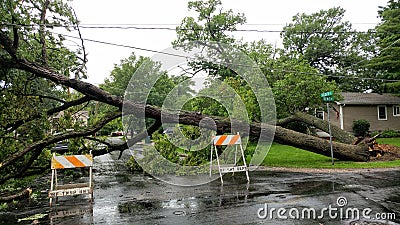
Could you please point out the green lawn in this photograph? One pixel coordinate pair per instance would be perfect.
(392, 141)
(287, 156)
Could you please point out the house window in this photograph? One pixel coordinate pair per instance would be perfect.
(319, 114)
(396, 110)
(382, 112)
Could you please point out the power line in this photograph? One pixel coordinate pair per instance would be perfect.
(137, 27)
(162, 24)
(124, 46)
(187, 57)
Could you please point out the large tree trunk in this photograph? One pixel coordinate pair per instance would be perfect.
(321, 146)
(341, 135)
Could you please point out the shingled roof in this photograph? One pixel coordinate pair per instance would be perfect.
(351, 98)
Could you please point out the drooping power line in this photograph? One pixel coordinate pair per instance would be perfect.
(281, 70)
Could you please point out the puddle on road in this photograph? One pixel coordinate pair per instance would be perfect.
(188, 203)
(134, 207)
(314, 187)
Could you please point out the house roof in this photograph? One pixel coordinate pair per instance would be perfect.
(351, 98)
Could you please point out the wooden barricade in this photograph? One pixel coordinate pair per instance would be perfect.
(68, 162)
(228, 140)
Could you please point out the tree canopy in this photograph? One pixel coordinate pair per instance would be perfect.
(387, 59)
(331, 45)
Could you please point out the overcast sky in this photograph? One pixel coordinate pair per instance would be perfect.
(260, 14)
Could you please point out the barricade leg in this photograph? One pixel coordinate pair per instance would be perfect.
(56, 183)
(91, 184)
(235, 163)
(211, 159)
(244, 162)
(51, 187)
(219, 167)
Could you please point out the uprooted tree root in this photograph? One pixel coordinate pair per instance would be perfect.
(384, 152)
(379, 152)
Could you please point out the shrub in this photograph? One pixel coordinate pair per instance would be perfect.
(387, 133)
(360, 127)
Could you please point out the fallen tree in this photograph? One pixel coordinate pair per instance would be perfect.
(343, 150)
(282, 135)
(11, 59)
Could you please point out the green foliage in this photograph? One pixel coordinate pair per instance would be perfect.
(392, 88)
(139, 79)
(387, 60)
(172, 153)
(26, 99)
(331, 45)
(133, 166)
(299, 89)
(387, 133)
(318, 37)
(211, 24)
(15, 185)
(165, 147)
(360, 127)
(3, 206)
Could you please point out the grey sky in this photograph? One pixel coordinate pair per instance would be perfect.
(261, 15)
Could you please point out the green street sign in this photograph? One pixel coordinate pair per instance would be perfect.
(327, 94)
(328, 99)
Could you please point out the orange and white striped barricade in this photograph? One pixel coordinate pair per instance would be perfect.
(69, 162)
(228, 140)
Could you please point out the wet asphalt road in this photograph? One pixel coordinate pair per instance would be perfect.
(123, 198)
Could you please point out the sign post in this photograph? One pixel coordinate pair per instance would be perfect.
(328, 97)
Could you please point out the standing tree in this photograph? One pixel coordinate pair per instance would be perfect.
(387, 60)
(211, 25)
(331, 45)
(300, 88)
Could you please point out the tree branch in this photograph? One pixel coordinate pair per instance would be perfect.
(339, 134)
(45, 96)
(66, 105)
(15, 30)
(20, 195)
(153, 128)
(42, 31)
(122, 147)
(84, 60)
(54, 139)
(285, 121)
(22, 169)
(7, 44)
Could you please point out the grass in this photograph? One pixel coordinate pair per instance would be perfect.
(391, 141)
(288, 156)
